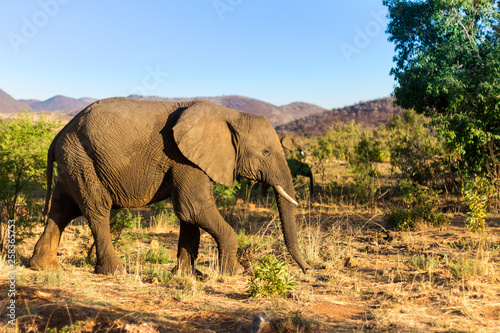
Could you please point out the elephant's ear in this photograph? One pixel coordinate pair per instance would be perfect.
(287, 142)
(204, 136)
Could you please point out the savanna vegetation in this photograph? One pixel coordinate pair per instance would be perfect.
(399, 238)
(403, 231)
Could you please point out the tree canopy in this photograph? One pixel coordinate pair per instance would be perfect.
(447, 66)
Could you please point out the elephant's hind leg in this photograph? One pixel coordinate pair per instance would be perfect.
(62, 210)
(95, 203)
(107, 258)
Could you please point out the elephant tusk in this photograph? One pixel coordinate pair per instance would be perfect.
(285, 195)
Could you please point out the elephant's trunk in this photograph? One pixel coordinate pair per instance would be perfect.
(287, 216)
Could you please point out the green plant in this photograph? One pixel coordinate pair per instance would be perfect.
(49, 278)
(419, 206)
(270, 278)
(416, 153)
(225, 197)
(467, 268)
(23, 160)
(476, 193)
(422, 262)
(121, 220)
(159, 206)
(158, 272)
(447, 66)
(158, 256)
(366, 177)
(73, 328)
(338, 143)
(243, 239)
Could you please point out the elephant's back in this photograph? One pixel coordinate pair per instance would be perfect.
(123, 140)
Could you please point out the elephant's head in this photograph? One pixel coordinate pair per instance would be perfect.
(293, 146)
(224, 142)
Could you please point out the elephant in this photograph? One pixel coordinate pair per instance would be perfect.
(124, 153)
(295, 153)
(293, 146)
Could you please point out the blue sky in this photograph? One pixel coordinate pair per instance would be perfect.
(330, 53)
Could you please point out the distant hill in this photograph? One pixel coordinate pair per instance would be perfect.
(370, 114)
(58, 103)
(298, 118)
(276, 115)
(9, 105)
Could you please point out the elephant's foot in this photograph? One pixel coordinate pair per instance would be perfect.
(186, 270)
(231, 267)
(110, 267)
(45, 262)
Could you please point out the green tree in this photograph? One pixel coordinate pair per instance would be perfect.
(417, 152)
(23, 161)
(448, 67)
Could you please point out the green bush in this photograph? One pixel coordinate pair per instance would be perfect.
(422, 262)
(225, 197)
(158, 256)
(74, 328)
(339, 142)
(420, 206)
(159, 207)
(121, 220)
(416, 151)
(270, 279)
(23, 162)
(467, 268)
(476, 193)
(367, 152)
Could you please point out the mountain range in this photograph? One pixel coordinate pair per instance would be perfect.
(370, 114)
(299, 118)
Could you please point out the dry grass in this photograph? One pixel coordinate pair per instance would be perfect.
(433, 279)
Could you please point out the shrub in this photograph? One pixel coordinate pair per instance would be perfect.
(366, 182)
(225, 197)
(123, 219)
(419, 207)
(23, 161)
(338, 143)
(422, 262)
(416, 152)
(476, 193)
(73, 328)
(467, 268)
(158, 256)
(270, 278)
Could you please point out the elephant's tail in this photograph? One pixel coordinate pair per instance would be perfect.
(50, 174)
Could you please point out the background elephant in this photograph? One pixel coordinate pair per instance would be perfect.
(295, 153)
(293, 146)
(120, 153)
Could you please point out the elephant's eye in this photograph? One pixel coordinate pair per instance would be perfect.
(266, 152)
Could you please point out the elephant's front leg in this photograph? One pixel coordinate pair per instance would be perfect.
(194, 203)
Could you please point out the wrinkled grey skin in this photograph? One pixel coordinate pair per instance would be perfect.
(295, 153)
(121, 153)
